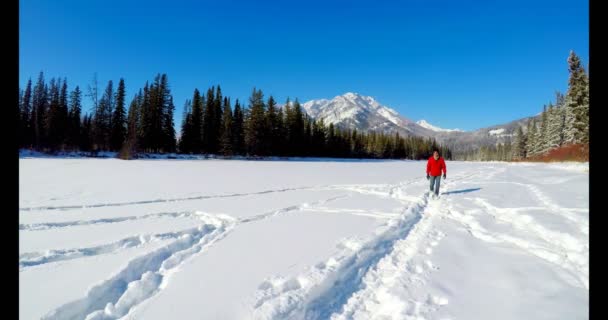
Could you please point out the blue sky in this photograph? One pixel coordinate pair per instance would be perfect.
(457, 64)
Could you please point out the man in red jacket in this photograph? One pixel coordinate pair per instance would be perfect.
(434, 166)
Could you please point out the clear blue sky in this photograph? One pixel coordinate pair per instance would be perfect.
(457, 64)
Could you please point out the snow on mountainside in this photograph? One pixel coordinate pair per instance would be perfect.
(355, 111)
(429, 126)
(496, 131)
(364, 113)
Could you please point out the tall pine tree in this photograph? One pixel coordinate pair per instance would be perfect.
(577, 102)
(209, 122)
(255, 124)
(543, 143)
(238, 130)
(26, 133)
(227, 125)
(272, 130)
(522, 144)
(130, 147)
(102, 120)
(168, 143)
(74, 122)
(119, 121)
(185, 140)
(197, 123)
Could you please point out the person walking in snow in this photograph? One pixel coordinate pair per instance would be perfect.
(434, 166)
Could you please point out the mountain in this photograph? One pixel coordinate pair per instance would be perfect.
(364, 113)
(472, 140)
(429, 126)
(355, 111)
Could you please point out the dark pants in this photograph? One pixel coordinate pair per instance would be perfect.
(435, 181)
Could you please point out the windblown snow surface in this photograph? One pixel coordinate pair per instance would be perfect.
(323, 239)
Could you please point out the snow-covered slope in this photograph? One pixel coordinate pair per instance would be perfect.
(217, 239)
(425, 124)
(355, 111)
(364, 113)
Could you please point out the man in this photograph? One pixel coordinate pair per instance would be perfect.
(434, 166)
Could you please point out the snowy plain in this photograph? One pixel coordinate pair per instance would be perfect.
(347, 239)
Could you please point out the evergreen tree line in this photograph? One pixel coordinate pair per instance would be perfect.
(563, 123)
(498, 152)
(211, 125)
(51, 119)
(566, 122)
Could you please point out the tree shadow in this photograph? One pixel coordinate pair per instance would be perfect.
(462, 191)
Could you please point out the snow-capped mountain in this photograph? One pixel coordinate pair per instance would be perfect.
(423, 123)
(355, 111)
(364, 113)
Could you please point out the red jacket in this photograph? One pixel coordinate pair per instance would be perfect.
(434, 167)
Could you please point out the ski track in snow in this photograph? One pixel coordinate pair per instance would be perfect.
(363, 189)
(146, 275)
(120, 204)
(366, 280)
(558, 248)
(339, 284)
(547, 203)
(54, 225)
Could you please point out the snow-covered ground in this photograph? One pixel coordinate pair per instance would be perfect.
(219, 239)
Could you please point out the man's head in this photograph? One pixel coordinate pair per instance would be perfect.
(436, 154)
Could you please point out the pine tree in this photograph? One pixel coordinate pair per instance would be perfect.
(533, 138)
(318, 138)
(289, 133)
(19, 118)
(119, 121)
(271, 130)
(238, 130)
(217, 121)
(196, 135)
(156, 115)
(554, 127)
(227, 138)
(280, 133)
(332, 141)
(26, 133)
(167, 143)
(255, 124)
(145, 116)
(86, 133)
(129, 148)
(74, 127)
(208, 121)
(53, 121)
(144, 124)
(298, 126)
(577, 102)
(102, 120)
(522, 144)
(306, 144)
(63, 111)
(185, 141)
(93, 94)
(543, 143)
(39, 110)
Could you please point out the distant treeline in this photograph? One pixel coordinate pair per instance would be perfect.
(562, 124)
(52, 119)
